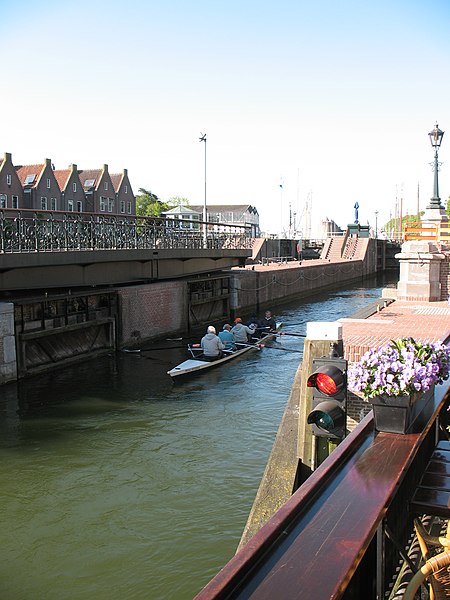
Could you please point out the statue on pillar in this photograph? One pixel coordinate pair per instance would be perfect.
(356, 213)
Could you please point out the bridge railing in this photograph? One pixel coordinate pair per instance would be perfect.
(53, 231)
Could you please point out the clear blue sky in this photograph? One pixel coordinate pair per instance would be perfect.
(332, 98)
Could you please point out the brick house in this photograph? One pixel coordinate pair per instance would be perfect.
(72, 192)
(11, 191)
(40, 188)
(125, 202)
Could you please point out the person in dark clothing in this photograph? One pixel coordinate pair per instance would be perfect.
(268, 323)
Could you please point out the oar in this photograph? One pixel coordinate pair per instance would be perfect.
(257, 346)
(293, 324)
(152, 349)
(294, 333)
(283, 349)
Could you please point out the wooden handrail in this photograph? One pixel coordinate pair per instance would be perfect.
(327, 531)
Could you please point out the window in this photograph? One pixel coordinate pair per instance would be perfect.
(52, 203)
(122, 206)
(29, 179)
(102, 203)
(48, 182)
(79, 206)
(110, 204)
(70, 205)
(105, 186)
(126, 189)
(3, 201)
(74, 187)
(43, 203)
(8, 179)
(129, 208)
(15, 202)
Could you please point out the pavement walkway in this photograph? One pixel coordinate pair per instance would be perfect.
(423, 321)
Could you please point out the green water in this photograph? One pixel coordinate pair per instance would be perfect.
(116, 484)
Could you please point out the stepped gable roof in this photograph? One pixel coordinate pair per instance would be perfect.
(90, 178)
(26, 172)
(62, 177)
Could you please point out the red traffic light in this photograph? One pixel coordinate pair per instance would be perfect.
(328, 379)
(328, 414)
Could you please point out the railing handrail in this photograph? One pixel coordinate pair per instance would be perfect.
(318, 539)
(53, 231)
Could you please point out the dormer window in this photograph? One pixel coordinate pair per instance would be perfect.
(105, 186)
(29, 179)
(8, 179)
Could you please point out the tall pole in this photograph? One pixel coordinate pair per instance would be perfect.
(205, 230)
(376, 224)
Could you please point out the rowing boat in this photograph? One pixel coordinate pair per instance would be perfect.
(194, 366)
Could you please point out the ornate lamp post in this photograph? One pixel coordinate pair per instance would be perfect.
(436, 139)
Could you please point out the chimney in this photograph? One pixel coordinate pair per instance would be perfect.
(7, 157)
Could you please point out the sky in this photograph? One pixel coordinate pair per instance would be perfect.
(308, 107)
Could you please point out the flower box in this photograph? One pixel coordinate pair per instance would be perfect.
(398, 379)
(402, 414)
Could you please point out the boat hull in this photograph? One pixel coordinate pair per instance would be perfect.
(193, 367)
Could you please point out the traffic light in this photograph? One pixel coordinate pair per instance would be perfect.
(329, 412)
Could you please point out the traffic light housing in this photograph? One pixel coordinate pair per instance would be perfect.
(329, 404)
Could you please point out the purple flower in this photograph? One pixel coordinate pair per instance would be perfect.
(403, 366)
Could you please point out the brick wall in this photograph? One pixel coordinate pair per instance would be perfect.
(150, 311)
(445, 277)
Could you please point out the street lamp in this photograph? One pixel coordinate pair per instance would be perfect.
(376, 224)
(202, 138)
(436, 139)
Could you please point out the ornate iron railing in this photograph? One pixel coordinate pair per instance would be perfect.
(48, 231)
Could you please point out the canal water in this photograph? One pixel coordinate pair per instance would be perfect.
(115, 484)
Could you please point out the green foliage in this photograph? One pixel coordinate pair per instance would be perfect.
(148, 204)
(447, 210)
(394, 224)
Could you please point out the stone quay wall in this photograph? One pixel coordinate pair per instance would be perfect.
(8, 363)
(276, 284)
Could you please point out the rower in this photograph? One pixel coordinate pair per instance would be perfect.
(268, 323)
(227, 338)
(241, 332)
(211, 345)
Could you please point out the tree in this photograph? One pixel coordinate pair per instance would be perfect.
(447, 210)
(148, 204)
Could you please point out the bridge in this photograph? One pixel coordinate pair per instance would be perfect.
(44, 249)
